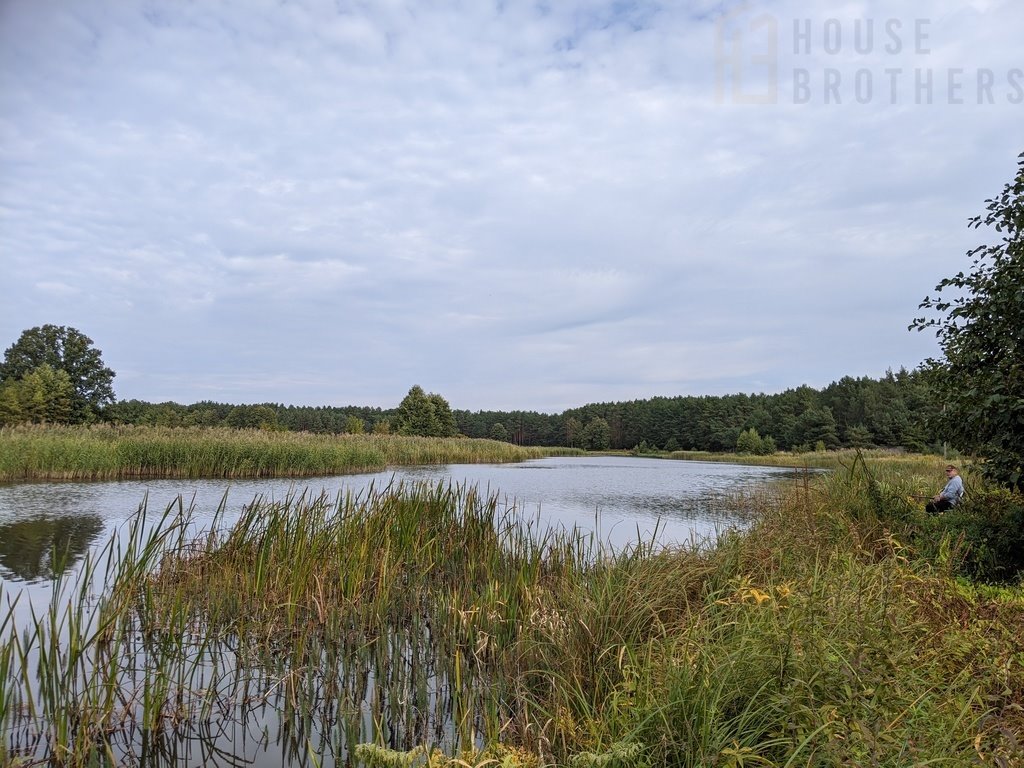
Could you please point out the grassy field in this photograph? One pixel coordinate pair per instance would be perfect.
(114, 453)
(425, 626)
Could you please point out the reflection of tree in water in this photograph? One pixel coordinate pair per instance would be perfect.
(31, 549)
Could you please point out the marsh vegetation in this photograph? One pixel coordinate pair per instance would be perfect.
(104, 452)
(426, 623)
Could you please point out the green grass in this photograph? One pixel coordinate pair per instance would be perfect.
(110, 453)
(819, 637)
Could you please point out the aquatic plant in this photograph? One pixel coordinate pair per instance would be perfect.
(432, 623)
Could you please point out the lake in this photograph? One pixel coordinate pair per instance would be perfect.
(618, 500)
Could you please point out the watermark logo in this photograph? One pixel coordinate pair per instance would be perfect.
(747, 58)
(761, 58)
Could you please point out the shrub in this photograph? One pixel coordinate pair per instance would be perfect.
(985, 533)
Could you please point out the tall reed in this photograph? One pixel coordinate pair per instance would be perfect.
(104, 452)
(429, 624)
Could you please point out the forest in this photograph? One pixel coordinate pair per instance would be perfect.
(891, 411)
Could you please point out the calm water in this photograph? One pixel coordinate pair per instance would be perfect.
(619, 499)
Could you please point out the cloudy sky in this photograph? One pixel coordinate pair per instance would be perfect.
(518, 204)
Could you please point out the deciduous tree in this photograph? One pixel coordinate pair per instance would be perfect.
(63, 349)
(597, 435)
(979, 322)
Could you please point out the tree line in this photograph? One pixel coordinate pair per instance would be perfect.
(54, 374)
(892, 411)
(862, 412)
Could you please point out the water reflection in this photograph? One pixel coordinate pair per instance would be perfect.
(41, 548)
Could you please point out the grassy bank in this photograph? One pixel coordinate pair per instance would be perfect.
(911, 463)
(112, 453)
(425, 624)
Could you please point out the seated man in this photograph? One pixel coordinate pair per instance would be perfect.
(950, 495)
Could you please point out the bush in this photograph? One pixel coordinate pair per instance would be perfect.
(985, 534)
(750, 441)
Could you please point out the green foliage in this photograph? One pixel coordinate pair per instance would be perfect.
(858, 436)
(817, 425)
(42, 396)
(425, 415)
(573, 431)
(251, 417)
(597, 435)
(980, 327)
(642, 448)
(498, 431)
(889, 409)
(443, 414)
(10, 404)
(64, 349)
(750, 441)
(354, 426)
(982, 537)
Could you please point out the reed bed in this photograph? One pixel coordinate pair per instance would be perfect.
(104, 452)
(429, 626)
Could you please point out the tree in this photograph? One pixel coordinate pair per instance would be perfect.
(858, 436)
(424, 415)
(573, 428)
(354, 425)
(980, 382)
(10, 403)
(817, 425)
(63, 349)
(46, 395)
(597, 435)
(252, 417)
(443, 414)
(749, 441)
(41, 396)
(498, 432)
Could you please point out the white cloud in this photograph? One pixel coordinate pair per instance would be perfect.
(525, 207)
(55, 289)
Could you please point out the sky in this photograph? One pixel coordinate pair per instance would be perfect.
(516, 204)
